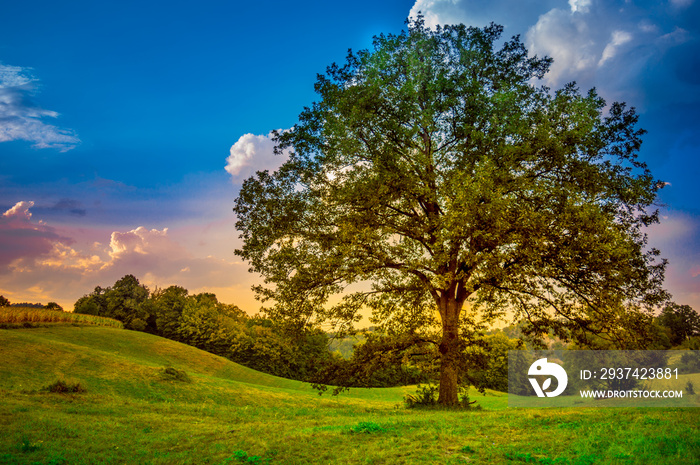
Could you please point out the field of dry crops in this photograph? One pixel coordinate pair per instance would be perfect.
(19, 316)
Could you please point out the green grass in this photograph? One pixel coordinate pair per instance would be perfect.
(148, 400)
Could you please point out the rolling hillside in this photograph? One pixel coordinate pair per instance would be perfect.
(149, 400)
(110, 361)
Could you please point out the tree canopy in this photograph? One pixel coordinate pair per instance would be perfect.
(682, 321)
(435, 182)
(126, 301)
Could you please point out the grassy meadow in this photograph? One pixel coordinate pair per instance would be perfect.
(149, 400)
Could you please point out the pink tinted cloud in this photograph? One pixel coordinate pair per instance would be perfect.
(155, 255)
(20, 237)
(41, 265)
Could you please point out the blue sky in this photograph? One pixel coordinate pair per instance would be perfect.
(127, 127)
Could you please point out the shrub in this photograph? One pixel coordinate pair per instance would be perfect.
(242, 456)
(690, 361)
(28, 446)
(367, 427)
(173, 374)
(427, 396)
(61, 387)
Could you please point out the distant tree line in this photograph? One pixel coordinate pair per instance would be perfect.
(4, 302)
(379, 356)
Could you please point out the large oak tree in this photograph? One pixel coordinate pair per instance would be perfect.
(435, 168)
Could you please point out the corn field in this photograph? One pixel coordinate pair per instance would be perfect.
(20, 315)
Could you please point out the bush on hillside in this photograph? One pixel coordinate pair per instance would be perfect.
(173, 374)
(61, 387)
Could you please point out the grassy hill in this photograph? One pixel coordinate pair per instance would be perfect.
(149, 400)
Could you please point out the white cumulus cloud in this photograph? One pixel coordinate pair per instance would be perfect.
(642, 51)
(579, 5)
(568, 38)
(22, 119)
(252, 153)
(438, 12)
(618, 39)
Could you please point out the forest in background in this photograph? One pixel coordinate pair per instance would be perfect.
(367, 358)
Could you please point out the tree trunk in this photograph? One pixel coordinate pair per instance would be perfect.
(449, 355)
